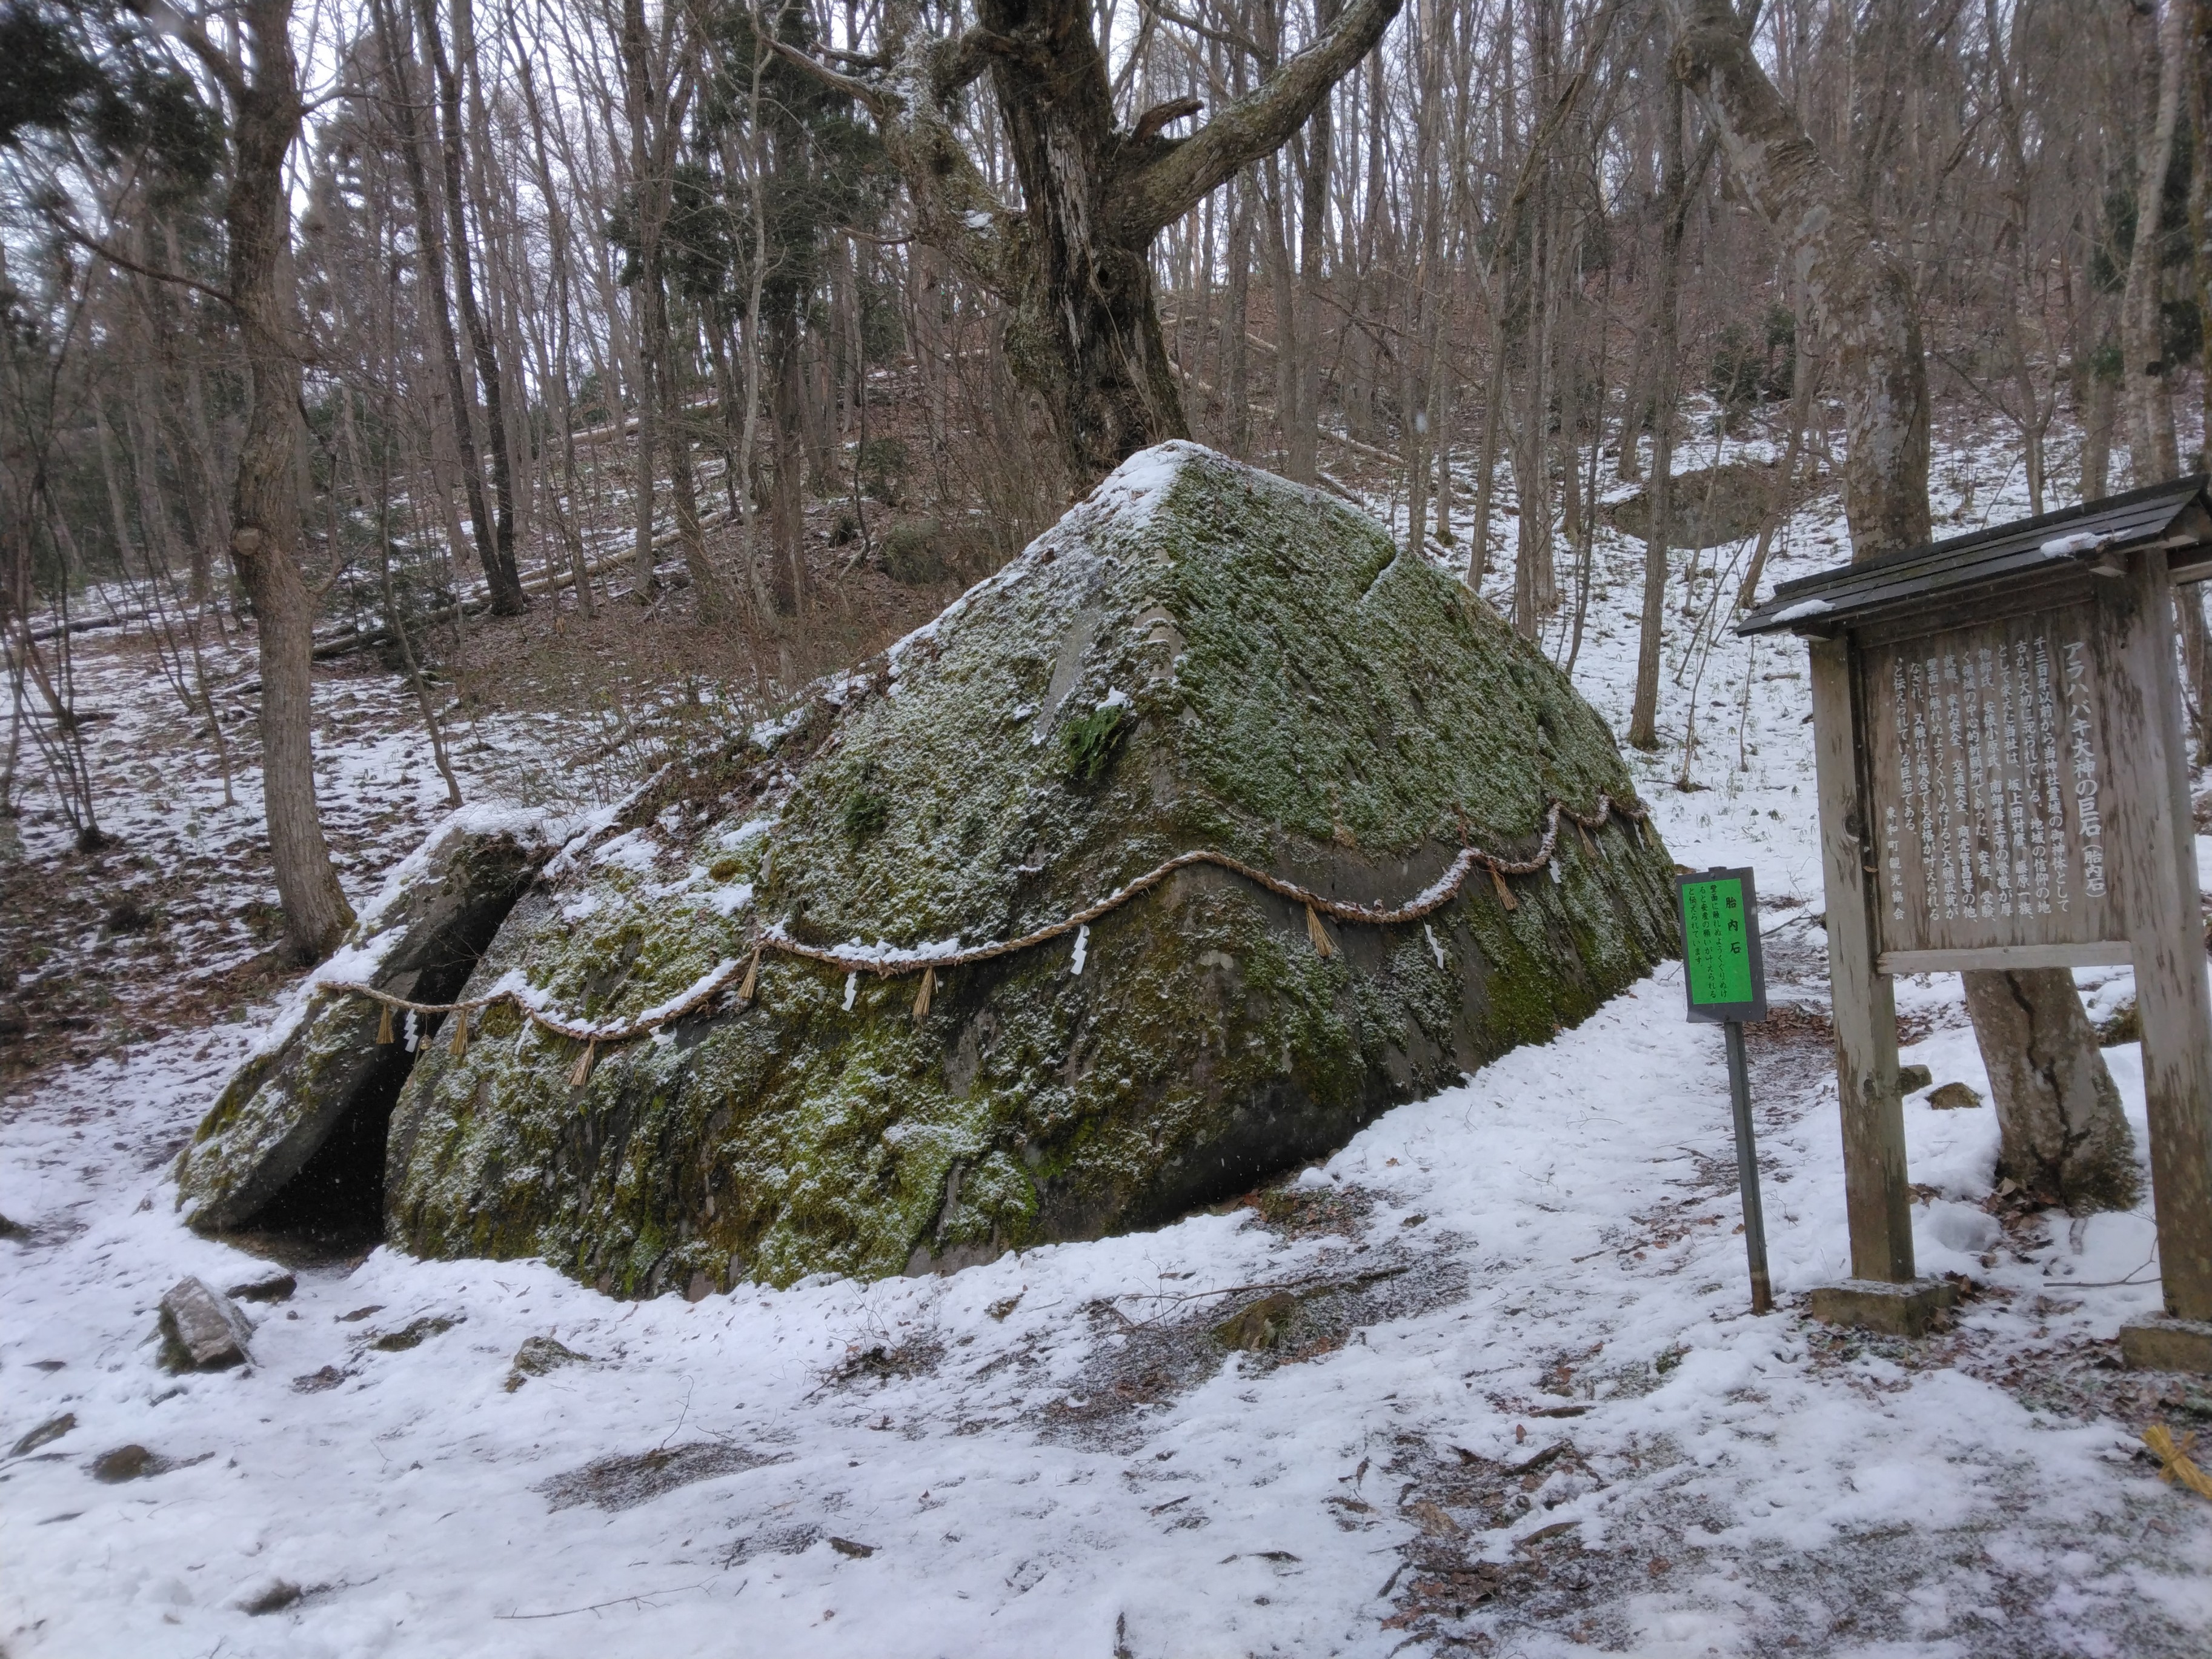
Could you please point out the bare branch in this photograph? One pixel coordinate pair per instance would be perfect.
(958, 63)
(955, 209)
(1253, 126)
(1229, 38)
(125, 262)
(169, 21)
(1161, 115)
(869, 96)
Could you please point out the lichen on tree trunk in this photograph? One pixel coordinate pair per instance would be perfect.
(1073, 261)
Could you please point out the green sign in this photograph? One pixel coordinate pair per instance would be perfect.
(1720, 946)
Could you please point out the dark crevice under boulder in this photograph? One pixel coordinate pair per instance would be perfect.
(296, 1138)
(1200, 655)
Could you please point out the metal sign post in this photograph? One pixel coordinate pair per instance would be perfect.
(1724, 977)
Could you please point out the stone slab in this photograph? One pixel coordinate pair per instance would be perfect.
(1868, 1304)
(285, 1103)
(2168, 1345)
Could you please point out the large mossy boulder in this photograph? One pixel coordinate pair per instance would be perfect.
(1198, 655)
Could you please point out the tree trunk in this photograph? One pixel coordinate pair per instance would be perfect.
(710, 592)
(638, 93)
(2099, 403)
(1303, 338)
(495, 540)
(2200, 218)
(2152, 453)
(1086, 328)
(2064, 1137)
(431, 271)
(1858, 293)
(266, 501)
(786, 515)
(1236, 354)
(1659, 494)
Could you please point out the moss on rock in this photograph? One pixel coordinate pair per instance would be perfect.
(1198, 656)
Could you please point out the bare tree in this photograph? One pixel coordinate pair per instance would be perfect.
(497, 538)
(2163, 67)
(264, 539)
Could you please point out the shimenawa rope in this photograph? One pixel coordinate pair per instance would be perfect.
(896, 964)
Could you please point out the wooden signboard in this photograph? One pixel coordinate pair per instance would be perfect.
(2004, 783)
(1986, 760)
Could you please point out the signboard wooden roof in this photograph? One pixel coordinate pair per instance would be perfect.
(2035, 561)
(2004, 783)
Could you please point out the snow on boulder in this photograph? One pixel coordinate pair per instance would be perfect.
(297, 1121)
(778, 1017)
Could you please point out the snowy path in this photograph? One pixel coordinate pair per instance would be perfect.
(1735, 1479)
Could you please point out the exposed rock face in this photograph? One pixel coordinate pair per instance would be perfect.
(1198, 656)
(322, 1084)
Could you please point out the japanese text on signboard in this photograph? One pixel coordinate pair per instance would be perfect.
(1984, 751)
(1715, 942)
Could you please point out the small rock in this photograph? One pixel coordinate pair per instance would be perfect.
(277, 1288)
(2123, 1025)
(12, 1229)
(47, 1432)
(1912, 1079)
(414, 1333)
(1954, 1097)
(125, 1464)
(279, 1595)
(1430, 1517)
(359, 1313)
(1544, 1534)
(1259, 1326)
(315, 1382)
(536, 1355)
(847, 1547)
(205, 1332)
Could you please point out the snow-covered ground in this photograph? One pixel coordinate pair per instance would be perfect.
(1520, 1406)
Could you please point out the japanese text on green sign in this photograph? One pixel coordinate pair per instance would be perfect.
(1716, 948)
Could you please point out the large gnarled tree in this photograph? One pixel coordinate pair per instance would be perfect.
(1072, 262)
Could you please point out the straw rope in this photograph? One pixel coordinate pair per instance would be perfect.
(897, 964)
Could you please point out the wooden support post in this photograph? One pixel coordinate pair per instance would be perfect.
(1875, 1195)
(2150, 848)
